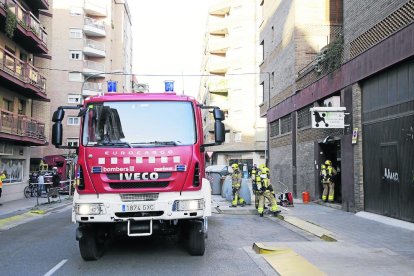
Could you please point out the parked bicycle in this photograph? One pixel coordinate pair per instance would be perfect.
(30, 190)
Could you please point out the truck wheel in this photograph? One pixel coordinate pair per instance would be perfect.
(196, 239)
(90, 245)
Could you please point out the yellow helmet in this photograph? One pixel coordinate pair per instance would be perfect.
(235, 167)
(261, 166)
(264, 170)
(323, 166)
(328, 162)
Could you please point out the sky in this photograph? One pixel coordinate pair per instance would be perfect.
(168, 40)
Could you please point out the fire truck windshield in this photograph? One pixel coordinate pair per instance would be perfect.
(139, 124)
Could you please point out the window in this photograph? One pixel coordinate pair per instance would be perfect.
(261, 51)
(75, 33)
(75, 99)
(73, 121)
(260, 95)
(22, 107)
(77, 55)
(72, 142)
(237, 137)
(75, 76)
(285, 124)
(274, 128)
(8, 104)
(304, 117)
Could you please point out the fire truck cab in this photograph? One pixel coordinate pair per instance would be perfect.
(140, 169)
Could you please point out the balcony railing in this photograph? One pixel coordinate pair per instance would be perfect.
(26, 19)
(93, 66)
(94, 27)
(21, 70)
(21, 125)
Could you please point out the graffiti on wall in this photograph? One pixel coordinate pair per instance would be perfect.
(390, 175)
(13, 169)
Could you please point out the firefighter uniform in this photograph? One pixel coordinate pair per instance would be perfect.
(236, 185)
(265, 191)
(327, 174)
(253, 174)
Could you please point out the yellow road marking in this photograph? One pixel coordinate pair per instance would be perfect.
(8, 221)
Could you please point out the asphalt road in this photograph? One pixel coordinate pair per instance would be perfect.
(47, 246)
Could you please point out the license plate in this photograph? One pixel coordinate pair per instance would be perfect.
(137, 207)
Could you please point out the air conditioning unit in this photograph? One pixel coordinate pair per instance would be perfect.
(334, 101)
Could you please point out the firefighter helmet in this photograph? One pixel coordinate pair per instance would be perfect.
(328, 163)
(323, 167)
(235, 167)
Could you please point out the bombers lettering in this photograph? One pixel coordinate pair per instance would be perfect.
(139, 176)
(138, 152)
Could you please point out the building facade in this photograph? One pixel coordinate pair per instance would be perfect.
(231, 76)
(92, 53)
(367, 68)
(24, 97)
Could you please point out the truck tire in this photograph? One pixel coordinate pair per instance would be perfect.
(90, 245)
(196, 239)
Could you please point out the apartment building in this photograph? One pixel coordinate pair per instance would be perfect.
(231, 81)
(368, 70)
(92, 53)
(24, 51)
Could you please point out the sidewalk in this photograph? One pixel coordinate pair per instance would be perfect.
(40, 205)
(350, 244)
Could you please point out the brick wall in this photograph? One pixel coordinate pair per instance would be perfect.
(280, 166)
(358, 161)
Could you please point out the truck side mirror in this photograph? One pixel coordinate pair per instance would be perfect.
(219, 132)
(58, 115)
(57, 133)
(218, 114)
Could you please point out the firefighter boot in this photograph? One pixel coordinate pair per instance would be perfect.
(261, 215)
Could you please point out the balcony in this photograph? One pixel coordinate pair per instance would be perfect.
(21, 76)
(21, 128)
(217, 65)
(220, 8)
(95, 8)
(38, 4)
(94, 27)
(30, 34)
(91, 88)
(218, 86)
(93, 48)
(92, 67)
(218, 45)
(219, 28)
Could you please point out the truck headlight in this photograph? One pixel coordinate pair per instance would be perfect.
(90, 209)
(188, 205)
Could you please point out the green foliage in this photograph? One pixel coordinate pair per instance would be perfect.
(11, 23)
(333, 54)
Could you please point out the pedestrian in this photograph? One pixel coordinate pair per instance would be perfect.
(236, 185)
(327, 174)
(2, 177)
(40, 183)
(55, 178)
(265, 192)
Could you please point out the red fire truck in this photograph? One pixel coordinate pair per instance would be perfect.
(140, 168)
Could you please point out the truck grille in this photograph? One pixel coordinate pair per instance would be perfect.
(138, 197)
(138, 185)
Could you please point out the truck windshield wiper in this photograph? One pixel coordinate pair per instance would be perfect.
(115, 144)
(157, 143)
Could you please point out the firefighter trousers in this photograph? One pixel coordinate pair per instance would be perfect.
(273, 204)
(237, 199)
(328, 191)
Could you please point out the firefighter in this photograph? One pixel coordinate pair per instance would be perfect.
(327, 174)
(236, 184)
(265, 188)
(253, 174)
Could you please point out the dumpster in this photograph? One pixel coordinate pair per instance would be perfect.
(227, 191)
(215, 175)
